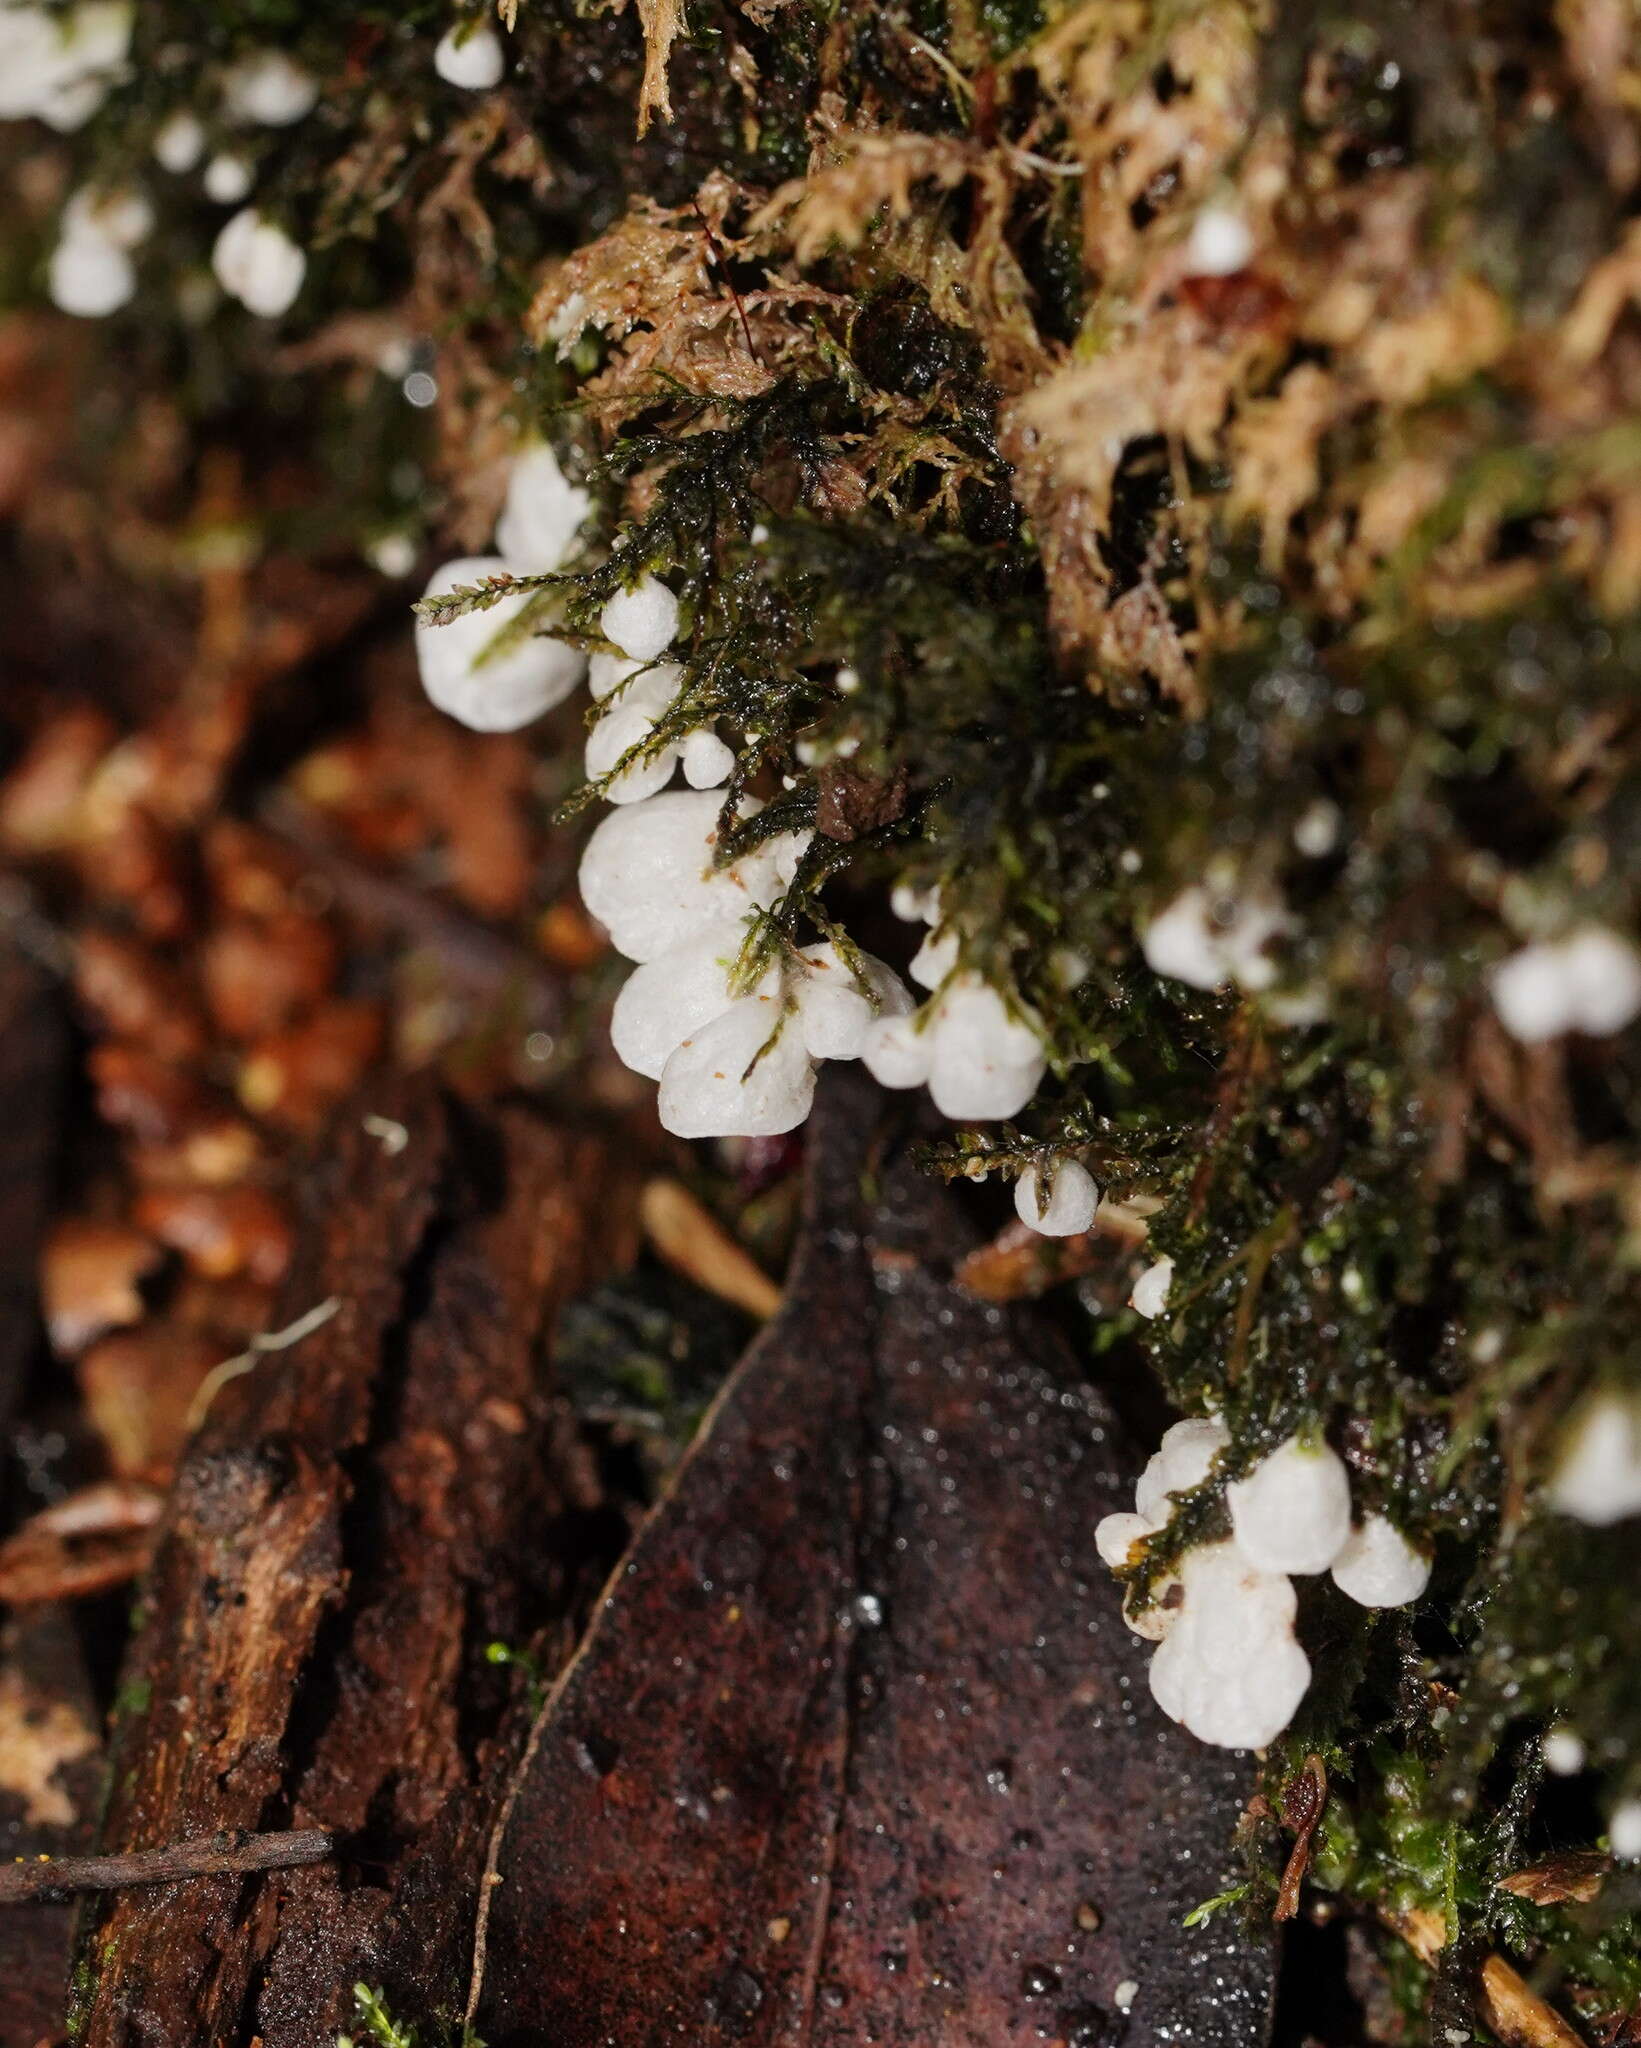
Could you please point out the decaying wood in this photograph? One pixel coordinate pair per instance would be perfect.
(361, 1514)
(858, 1749)
(1517, 2014)
(222, 1855)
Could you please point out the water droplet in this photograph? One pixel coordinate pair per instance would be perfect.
(1037, 1980)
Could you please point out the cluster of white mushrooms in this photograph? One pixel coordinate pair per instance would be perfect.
(59, 66)
(1228, 1664)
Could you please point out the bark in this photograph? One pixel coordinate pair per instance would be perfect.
(360, 1515)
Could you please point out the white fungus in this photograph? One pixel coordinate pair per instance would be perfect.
(1207, 937)
(705, 759)
(642, 621)
(1378, 1567)
(1292, 1512)
(268, 89)
(228, 178)
(120, 215)
(648, 876)
(915, 906)
(1624, 1830)
(1150, 1293)
(1230, 1668)
(1072, 1200)
(490, 691)
(1597, 1477)
(257, 263)
(665, 999)
(543, 514)
(1220, 243)
(746, 1074)
(470, 55)
(978, 1059)
(179, 142)
(90, 277)
(1588, 981)
(1564, 1753)
(58, 66)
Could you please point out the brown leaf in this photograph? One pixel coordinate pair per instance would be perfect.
(91, 1274)
(1575, 1875)
(858, 1737)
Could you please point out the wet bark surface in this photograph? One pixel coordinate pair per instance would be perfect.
(858, 1749)
(359, 1517)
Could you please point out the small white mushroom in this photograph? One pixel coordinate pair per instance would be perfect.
(470, 55)
(1588, 981)
(648, 875)
(1150, 1293)
(257, 263)
(1379, 1567)
(468, 677)
(1597, 1477)
(228, 178)
(641, 621)
(179, 142)
(543, 514)
(1292, 1512)
(1071, 1203)
(746, 1074)
(1220, 243)
(269, 89)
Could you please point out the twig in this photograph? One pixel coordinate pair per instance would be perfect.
(234, 1853)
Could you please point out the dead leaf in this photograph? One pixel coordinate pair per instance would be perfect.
(1519, 2017)
(694, 1243)
(1575, 1875)
(858, 1735)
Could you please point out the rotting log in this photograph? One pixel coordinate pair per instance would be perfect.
(360, 1515)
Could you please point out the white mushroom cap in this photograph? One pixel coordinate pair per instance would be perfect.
(789, 849)
(228, 178)
(257, 263)
(641, 621)
(1379, 1567)
(1564, 1753)
(934, 959)
(621, 728)
(122, 216)
(727, 1080)
(1292, 1512)
(1182, 1460)
(90, 277)
(58, 65)
(1150, 1294)
(470, 55)
(270, 89)
(915, 905)
(1220, 243)
(1597, 1478)
(1229, 1667)
(1589, 981)
(1181, 941)
(673, 995)
(834, 1012)
(985, 1063)
(1116, 1536)
(647, 873)
(707, 763)
(1071, 1203)
(1605, 971)
(510, 688)
(179, 142)
(543, 514)
(1624, 1830)
(1207, 939)
(897, 1053)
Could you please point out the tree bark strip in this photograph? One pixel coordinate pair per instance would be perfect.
(859, 1749)
(359, 1516)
